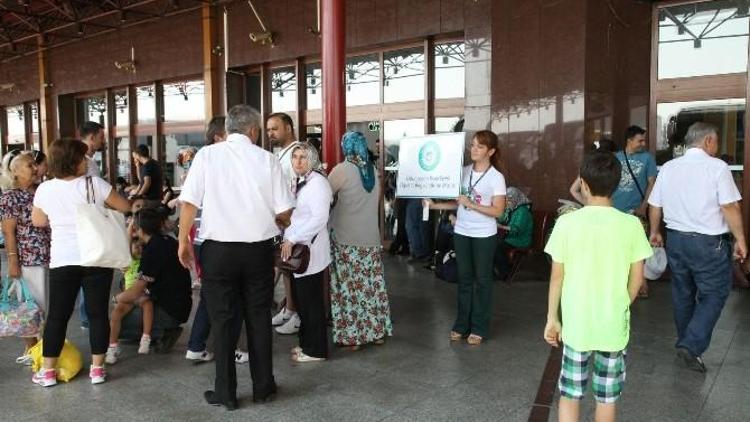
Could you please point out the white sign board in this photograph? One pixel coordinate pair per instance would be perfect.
(430, 166)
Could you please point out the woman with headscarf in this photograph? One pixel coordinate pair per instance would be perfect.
(309, 227)
(517, 229)
(360, 310)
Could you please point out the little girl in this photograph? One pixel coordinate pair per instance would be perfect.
(125, 301)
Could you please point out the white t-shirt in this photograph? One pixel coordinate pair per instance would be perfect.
(484, 185)
(59, 199)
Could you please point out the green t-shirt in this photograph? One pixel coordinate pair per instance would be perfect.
(596, 246)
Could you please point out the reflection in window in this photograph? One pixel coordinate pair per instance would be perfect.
(173, 144)
(122, 112)
(449, 70)
(123, 157)
(314, 77)
(146, 104)
(16, 124)
(184, 101)
(404, 75)
(283, 90)
(92, 109)
(673, 120)
(707, 38)
(393, 132)
(34, 109)
(362, 80)
(447, 124)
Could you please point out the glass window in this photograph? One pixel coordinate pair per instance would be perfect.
(92, 109)
(122, 112)
(393, 132)
(447, 124)
(404, 75)
(148, 140)
(314, 77)
(449, 70)
(16, 124)
(34, 108)
(146, 104)
(174, 143)
(123, 157)
(283, 90)
(184, 101)
(673, 120)
(362, 80)
(707, 38)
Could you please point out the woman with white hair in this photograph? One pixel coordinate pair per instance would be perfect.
(27, 246)
(309, 227)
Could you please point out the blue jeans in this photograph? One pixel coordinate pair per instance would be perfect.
(417, 231)
(701, 268)
(82, 311)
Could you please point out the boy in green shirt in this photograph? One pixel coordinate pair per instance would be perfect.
(597, 269)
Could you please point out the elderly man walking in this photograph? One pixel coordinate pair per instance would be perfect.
(241, 190)
(700, 203)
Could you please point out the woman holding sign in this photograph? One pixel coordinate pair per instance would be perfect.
(482, 200)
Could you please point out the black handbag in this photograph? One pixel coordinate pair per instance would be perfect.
(297, 262)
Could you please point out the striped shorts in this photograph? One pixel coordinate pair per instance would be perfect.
(609, 374)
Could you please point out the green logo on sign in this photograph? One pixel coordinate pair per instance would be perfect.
(429, 156)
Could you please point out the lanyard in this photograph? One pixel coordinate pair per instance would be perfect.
(471, 176)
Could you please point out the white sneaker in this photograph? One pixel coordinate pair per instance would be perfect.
(97, 374)
(204, 356)
(291, 326)
(241, 357)
(45, 377)
(282, 317)
(113, 352)
(144, 346)
(25, 359)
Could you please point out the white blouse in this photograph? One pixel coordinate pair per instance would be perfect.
(310, 219)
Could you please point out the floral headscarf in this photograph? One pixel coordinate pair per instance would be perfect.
(354, 147)
(515, 198)
(185, 157)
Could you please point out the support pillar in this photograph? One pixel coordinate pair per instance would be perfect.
(333, 28)
(214, 72)
(46, 99)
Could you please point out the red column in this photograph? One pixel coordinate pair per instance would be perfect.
(334, 95)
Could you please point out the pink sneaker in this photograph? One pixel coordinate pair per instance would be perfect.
(97, 374)
(45, 377)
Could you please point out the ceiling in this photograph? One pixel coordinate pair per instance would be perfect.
(64, 21)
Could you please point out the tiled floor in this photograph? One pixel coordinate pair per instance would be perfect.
(416, 375)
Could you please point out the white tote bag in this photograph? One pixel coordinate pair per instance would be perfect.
(102, 237)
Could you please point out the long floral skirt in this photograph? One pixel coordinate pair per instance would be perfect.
(359, 300)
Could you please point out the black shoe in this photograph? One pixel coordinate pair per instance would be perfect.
(211, 399)
(267, 397)
(168, 340)
(691, 362)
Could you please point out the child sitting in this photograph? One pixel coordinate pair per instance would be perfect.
(597, 268)
(133, 294)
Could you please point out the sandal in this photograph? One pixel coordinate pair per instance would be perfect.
(474, 340)
(643, 293)
(379, 342)
(456, 336)
(351, 348)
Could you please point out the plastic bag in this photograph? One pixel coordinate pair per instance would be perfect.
(69, 363)
(656, 264)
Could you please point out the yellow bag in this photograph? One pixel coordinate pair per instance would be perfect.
(69, 363)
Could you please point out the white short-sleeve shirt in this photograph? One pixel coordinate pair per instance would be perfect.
(480, 187)
(59, 199)
(691, 190)
(240, 188)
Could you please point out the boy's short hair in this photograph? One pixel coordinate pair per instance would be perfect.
(149, 220)
(601, 171)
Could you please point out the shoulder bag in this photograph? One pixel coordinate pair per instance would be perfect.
(102, 237)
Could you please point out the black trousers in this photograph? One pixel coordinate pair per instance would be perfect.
(240, 275)
(307, 293)
(64, 283)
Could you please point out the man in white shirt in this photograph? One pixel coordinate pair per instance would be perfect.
(700, 202)
(92, 134)
(280, 130)
(241, 190)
